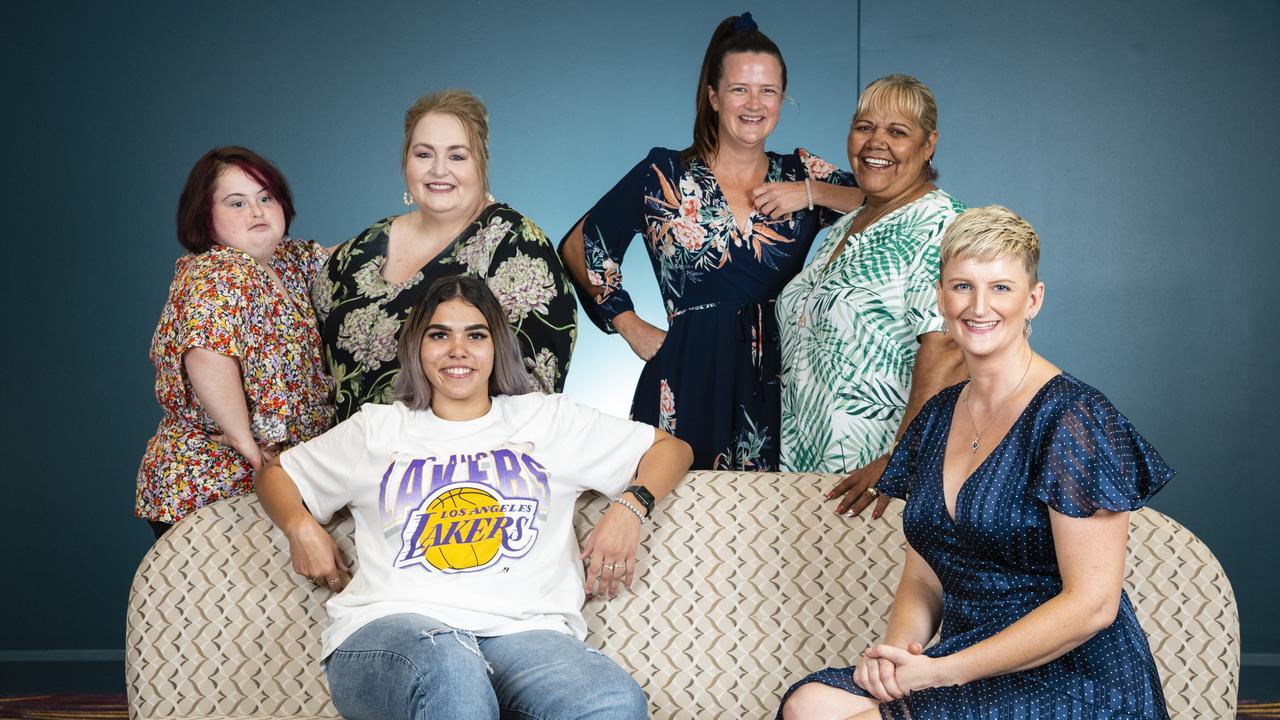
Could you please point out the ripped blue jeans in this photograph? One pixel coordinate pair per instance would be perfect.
(411, 667)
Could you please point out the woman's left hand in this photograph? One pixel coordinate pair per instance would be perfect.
(610, 552)
(780, 199)
(912, 671)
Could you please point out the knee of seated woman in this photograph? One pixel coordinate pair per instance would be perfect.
(815, 700)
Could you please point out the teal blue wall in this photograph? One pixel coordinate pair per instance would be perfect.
(1133, 135)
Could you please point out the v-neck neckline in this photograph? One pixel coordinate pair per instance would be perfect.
(953, 516)
(467, 233)
(719, 190)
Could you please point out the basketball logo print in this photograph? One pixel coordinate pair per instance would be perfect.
(466, 527)
(480, 510)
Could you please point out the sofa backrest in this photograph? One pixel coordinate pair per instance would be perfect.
(747, 582)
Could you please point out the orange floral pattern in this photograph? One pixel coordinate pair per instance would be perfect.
(222, 300)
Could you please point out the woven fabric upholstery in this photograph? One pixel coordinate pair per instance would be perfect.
(747, 582)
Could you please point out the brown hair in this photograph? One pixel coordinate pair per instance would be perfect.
(734, 34)
(469, 111)
(195, 204)
(508, 376)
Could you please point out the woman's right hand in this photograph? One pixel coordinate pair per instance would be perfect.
(316, 556)
(644, 339)
(256, 454)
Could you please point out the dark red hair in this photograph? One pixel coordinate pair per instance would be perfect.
(195, 206)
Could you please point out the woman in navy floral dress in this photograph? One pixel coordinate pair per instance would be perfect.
(726, 225)
(1019, 483)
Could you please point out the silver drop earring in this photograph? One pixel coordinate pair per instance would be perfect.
(408, 199)
(1026, 329)
(945, 329)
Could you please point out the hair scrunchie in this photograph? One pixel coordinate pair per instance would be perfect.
(745, 23)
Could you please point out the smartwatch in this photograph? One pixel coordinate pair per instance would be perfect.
(643, 495)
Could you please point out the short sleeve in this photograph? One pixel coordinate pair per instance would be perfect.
(212, 310)
(607, 231)
(899, 474)
(322, 467)
(1092, 458)
(920, 295)
(607, 449)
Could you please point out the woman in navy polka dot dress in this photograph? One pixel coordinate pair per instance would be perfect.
(1018, 485)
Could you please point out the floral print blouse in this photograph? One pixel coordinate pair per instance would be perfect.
(222, 300)
(361, 312)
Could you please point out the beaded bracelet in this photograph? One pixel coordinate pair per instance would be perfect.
(635, 510)
(808, 191)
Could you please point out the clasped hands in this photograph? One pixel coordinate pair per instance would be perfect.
(890, 673)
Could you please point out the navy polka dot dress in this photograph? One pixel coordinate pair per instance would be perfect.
(1070, 450)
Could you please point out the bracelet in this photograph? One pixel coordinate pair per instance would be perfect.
(808, 191)
(635, 510)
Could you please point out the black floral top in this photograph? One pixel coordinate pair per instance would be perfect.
(361, 313)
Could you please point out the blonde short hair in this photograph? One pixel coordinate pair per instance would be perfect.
(469, 111)
(989, 233)
(902, 94)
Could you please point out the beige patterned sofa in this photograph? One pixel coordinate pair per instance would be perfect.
(749, 582)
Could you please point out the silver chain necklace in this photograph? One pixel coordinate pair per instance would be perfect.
(977, 438)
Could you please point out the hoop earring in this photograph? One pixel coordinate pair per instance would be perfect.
(408, 199)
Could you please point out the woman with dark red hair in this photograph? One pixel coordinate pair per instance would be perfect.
(239, 372)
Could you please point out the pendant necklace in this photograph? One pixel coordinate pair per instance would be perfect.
(801, 320)
(977, 438)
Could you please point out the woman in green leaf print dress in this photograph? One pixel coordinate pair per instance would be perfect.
(862, 340)
(370, 283)
(726, 224)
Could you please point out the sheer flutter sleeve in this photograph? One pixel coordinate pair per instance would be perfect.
(1092, 458)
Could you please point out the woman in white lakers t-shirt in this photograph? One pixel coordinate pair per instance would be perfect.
(466, 599)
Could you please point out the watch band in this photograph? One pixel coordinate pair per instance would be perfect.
(643, 495)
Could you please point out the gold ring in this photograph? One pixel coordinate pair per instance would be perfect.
(874, 493)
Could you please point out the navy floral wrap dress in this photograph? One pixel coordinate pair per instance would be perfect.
(714, 382)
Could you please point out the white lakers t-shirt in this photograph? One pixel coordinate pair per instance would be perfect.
(470, 523)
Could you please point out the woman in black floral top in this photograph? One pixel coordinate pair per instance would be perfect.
(371, 281)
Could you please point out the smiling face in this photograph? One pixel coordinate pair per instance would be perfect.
(747, 98)
(440, 170)
(888, 151)
(245, 216)
(986, 304)
(457, 359)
